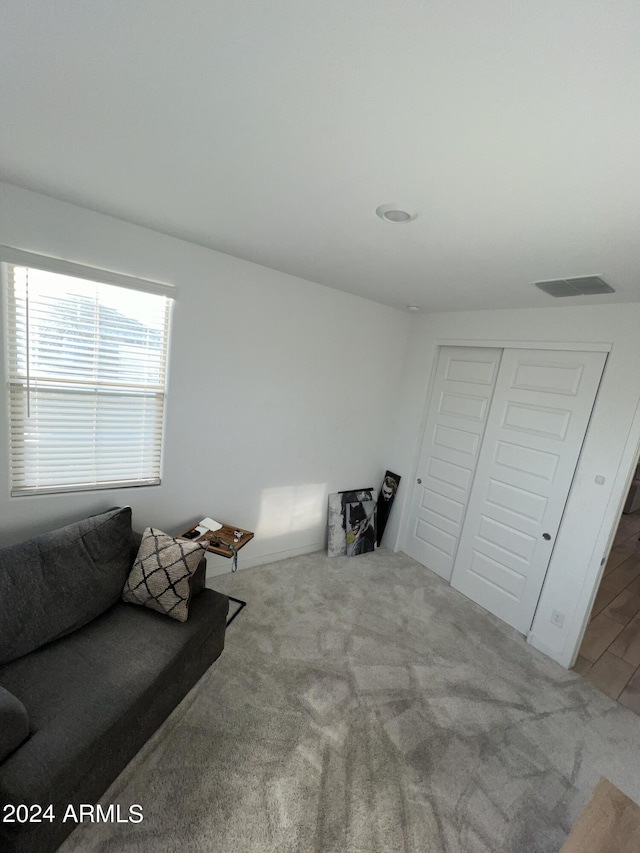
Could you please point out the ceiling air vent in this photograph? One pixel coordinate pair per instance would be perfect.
(584, 285)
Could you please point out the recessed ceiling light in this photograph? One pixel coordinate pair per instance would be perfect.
(397, 213)
(413, 307)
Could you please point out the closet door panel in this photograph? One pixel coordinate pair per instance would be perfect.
(534, 433)
(456, 420)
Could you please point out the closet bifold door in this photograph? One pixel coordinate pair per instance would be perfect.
(457, 416)
(534, 434)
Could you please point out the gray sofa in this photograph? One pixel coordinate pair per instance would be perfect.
(85, 678)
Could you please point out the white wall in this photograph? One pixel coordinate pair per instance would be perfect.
(280, 391)
(610, 448)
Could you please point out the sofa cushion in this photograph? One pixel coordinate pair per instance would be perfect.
(55, 583)
(14, 723)
(161, 574)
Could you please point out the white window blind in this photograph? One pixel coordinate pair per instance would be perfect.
(87, 364)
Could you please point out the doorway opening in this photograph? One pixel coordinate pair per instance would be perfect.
(609, 654)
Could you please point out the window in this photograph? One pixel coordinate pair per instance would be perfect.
(87, 364)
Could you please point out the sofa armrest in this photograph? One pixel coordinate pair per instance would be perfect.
(14, 723)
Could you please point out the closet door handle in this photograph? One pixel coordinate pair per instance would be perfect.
(546, 536)
(418, 480)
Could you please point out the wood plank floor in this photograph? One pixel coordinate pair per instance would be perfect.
(610, 652)
(609, 823)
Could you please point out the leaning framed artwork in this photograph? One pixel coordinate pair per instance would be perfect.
(385, 502)
(338, 530)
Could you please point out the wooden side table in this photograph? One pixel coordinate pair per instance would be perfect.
(226, 542)
(223, 541)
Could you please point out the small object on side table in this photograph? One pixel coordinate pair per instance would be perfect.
(191, 534)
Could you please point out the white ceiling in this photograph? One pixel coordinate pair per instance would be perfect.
(273, 130)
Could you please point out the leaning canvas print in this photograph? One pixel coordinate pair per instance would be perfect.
(385, 501)
(336, 522)
(336, 540)
(361, 527)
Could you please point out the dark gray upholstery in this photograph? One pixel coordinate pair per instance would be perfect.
(14, 723)
(57, 582)
(199, 578)
(94, 696)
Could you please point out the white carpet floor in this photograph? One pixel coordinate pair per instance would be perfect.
(363, 706)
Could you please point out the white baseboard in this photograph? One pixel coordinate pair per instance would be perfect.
(548, 650)
(217, 566)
